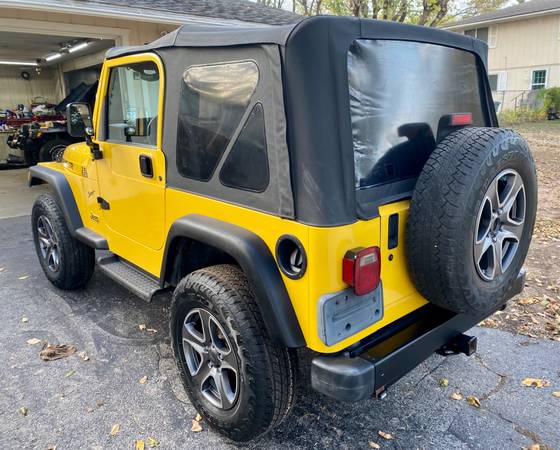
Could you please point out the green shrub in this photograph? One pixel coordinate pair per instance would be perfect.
(550, 97)
(521, 115)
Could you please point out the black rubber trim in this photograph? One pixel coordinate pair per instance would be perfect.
(92, 239)
(390, 353)
(63, 193)
(256, 261)
(290, 274)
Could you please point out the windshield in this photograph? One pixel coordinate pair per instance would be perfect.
(399, 91)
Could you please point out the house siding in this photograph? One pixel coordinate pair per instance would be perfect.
(523, 46)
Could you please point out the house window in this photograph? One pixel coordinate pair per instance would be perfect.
(498, 81)
(493, 79)
(538, 80)
(478, 33)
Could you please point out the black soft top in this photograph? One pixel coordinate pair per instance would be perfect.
(312, 67)
(207, 35)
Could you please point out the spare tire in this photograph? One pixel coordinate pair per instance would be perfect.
(471, 219)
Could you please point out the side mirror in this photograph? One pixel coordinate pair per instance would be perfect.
(78, 119)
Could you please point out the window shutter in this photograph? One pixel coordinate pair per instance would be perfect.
(502, 81)
(493, 36)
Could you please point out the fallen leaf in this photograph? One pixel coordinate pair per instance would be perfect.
(535, 382)
(384, 435)
(143, 380)
(52, 352)
(196, 428)
(33, 341)
(115, 429)
(444, 382)
(527, 301)
(25, 277)
(151, 330)
(456, 396)
(556, 394)
(198, 417)
(51, 447)
(24, 319)
(374, 445)
(153, 442)
(534, 447)
(139, 444)
(473, 401)
(23, 411)
(84, 356)
(70, 373)
(142, 326)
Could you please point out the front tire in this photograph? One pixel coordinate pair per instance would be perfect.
(237, 379)
(53, 150)
(67, 263)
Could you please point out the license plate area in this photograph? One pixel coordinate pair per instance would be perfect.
(344, 314)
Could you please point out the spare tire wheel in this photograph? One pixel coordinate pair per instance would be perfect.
(471, 219)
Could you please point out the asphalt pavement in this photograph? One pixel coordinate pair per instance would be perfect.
(73, 404)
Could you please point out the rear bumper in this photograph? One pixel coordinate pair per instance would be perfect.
(380, 360)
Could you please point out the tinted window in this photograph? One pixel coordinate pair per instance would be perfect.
(132, 104)
(213, 101)
(399, 91)
(246, 166)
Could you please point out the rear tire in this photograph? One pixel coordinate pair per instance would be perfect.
(67, 262)
(260, 396)
(471, 219)
(53, 150)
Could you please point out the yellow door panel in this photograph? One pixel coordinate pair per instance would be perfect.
(136, 203)
(130, 106)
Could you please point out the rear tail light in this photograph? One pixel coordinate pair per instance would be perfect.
(361, 268)
(461, 119)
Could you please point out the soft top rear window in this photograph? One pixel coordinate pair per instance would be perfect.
(399, 91)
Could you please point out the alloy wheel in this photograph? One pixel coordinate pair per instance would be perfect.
(499, 225)
(210, 359)
(48, 244)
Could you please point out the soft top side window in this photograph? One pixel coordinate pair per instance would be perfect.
(213, 101)
(246, 166)
(132, 104)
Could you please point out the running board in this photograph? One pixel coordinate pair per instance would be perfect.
(133, 279)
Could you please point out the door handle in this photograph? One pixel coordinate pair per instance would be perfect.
(146, 166)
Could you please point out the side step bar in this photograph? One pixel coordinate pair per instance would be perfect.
(133, 279)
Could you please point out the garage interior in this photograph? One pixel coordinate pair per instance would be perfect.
(37, 72)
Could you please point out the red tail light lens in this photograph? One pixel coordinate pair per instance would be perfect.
(361, 268)
(459, 119)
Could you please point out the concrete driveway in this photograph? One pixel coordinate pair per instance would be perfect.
(72, 404)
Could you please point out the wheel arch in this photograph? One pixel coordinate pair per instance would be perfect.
(63, 193)
(226, 241)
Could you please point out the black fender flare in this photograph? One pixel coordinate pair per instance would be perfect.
(65, 199)
(258, 264)
(63, 193)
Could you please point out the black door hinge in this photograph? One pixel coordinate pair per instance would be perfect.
(103, 203)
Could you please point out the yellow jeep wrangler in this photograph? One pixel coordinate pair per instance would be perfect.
(339, 185)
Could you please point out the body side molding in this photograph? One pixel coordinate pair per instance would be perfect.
(256, 260)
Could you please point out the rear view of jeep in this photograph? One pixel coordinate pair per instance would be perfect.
(332, 198)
